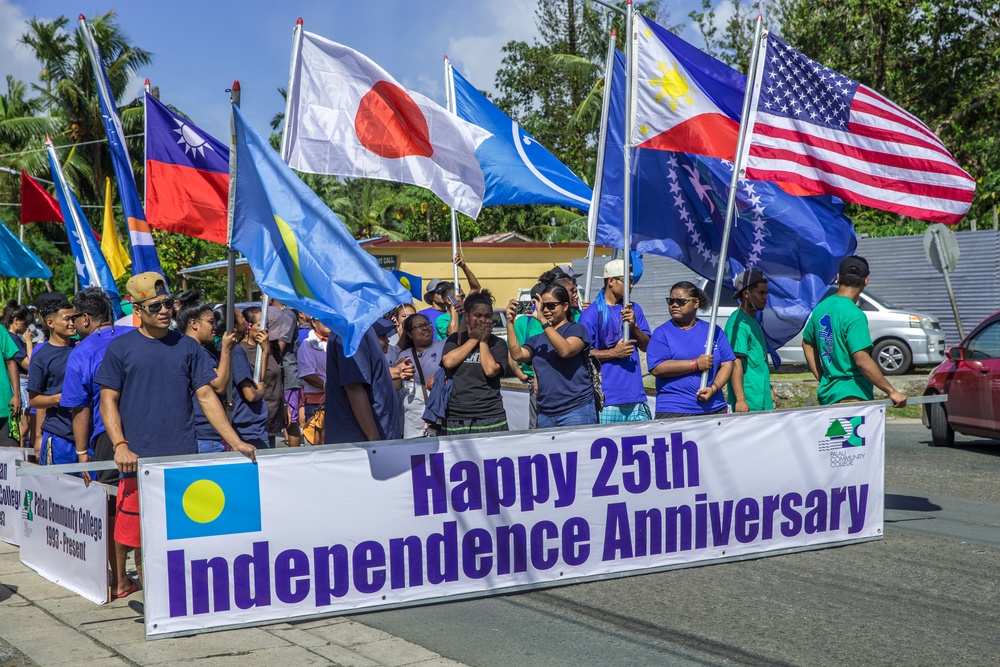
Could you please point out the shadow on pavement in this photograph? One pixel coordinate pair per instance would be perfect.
(910, 503)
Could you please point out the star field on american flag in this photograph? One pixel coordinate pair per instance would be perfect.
(795, 86)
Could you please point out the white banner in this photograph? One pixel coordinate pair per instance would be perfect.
(318, 531)
(64, 533)
(10, 495)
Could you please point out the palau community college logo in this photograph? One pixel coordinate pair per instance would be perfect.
(842, 434)
(205, 501)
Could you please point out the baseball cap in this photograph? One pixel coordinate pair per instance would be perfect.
(854, 266)
(568, 270)
(383, 327)
(144, 286)
(433, 286)
(615, 269)
(746, 279)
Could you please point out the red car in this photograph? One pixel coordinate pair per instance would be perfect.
(971, 377)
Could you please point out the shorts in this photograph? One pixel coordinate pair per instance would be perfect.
(678, 415)
(24, 393)
(293, 399)
(56, 450)
(210, 446)
(127, 517)
(475, 426)
(5, 439)
(625, 412)
(104, 451)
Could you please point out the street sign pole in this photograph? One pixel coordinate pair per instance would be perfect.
(941, 248)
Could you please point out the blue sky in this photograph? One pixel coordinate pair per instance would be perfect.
(200, 47)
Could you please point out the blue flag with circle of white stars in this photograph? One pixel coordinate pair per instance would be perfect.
(678, 206)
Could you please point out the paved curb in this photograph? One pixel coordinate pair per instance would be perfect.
(53, 626)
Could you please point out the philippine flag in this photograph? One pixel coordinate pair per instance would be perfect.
(686, 100)
(348, 117)
(187, 176)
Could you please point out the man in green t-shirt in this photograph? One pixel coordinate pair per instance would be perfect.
(837, 343)
(10, 390)
(749, 389)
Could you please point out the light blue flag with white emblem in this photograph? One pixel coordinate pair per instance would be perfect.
(518, 169)
(17, 260)
(299, 250)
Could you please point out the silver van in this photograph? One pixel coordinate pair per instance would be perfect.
(902, 338)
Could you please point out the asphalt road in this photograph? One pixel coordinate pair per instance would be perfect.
(926, 594)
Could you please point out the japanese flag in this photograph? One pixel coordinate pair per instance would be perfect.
(348, 117)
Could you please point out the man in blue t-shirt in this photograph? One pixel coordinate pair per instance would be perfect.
(147, 378)
(621, 372)
(45, 383)
(361, 402)
(94, 319)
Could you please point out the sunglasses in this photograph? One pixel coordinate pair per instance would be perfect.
(424, 325)
(75, 316)
(154, 308)
(680, 301)
(549, 305)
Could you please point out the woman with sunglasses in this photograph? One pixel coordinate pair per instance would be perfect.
(475, 360)
(418, 344)
(195, 319)
(676, 358)
(558, 355)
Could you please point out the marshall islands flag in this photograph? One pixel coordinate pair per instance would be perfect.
(187, 176)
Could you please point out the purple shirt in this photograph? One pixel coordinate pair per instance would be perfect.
(621, 379)
(677, 394)
(312, 361)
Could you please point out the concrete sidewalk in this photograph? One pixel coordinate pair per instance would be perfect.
(50, 625)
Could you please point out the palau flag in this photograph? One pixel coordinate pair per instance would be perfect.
(300, 252)
(187, 176)
(518, 169)
(415, 284)
(17, 260)
(144, 257)
(69, 204)
(207, 500)
(678, 206)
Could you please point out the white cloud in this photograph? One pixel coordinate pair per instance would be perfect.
(17, 59)
(479, 56)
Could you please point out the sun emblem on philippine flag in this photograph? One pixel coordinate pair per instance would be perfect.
(193, 143)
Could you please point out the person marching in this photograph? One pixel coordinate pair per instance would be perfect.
(621, 372)
(837, 343)
(676, 358)
(565, 393)
(749, 388)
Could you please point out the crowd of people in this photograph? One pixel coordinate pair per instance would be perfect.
(83, 386)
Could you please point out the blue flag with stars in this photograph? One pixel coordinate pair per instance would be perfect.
(517, 169)
(104, 279)
(678, 207)
(299, 250)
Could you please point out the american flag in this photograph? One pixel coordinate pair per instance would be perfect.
(829, 134)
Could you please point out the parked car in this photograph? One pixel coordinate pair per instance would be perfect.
(970, 376)
(901, 338)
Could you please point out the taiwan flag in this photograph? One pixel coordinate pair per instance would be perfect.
(187, 176)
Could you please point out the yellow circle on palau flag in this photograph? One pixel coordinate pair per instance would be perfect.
(203, 501)
(405, 282)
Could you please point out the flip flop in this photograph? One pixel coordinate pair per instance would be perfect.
(133, 587)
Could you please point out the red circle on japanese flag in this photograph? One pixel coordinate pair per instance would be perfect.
(390, 124)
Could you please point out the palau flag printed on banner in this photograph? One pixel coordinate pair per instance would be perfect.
(299, 250)
(679, 201)
(518, 169)
(187, 176)
(144, 257)
(203, 501)
(415, 284)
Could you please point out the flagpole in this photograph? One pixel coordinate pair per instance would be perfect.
(296, 56)
(595, 198)
(234, 98)
(449, 95)
(88, 259)
(145, 144)
(738, 171)
(627, 190)
(20, 281)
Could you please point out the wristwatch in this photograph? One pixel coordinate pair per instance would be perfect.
(546, 325)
